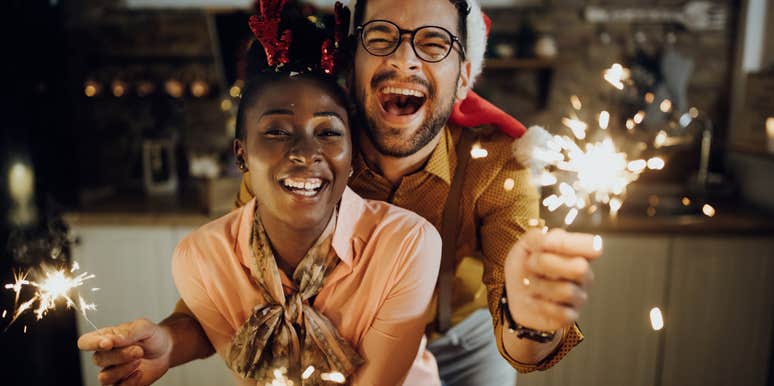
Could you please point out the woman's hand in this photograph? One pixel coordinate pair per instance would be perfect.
(134, 353)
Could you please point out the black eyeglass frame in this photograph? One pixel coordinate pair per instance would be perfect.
(454, 38)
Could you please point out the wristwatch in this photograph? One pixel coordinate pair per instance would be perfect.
(521, 331)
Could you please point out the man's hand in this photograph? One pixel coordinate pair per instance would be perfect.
(134, 353)
(547, 276)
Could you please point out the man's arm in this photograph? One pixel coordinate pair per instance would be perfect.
(505, 217)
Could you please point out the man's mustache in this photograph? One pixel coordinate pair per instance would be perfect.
(393, 76)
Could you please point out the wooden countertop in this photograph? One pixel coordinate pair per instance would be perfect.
(136, 210)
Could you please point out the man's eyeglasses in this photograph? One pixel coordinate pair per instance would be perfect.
(430, 43)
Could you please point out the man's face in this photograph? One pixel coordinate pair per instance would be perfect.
(399, 124)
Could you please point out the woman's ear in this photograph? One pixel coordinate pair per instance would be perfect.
(239, 153)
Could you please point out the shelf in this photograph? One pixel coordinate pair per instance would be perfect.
(519, 64)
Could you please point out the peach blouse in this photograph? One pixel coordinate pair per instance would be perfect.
(377, 296)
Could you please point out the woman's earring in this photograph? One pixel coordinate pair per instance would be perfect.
(351, 172)
(241, 165)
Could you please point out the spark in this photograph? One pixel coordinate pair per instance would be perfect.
(604, 120)
(666, 105)
(308, 372)
(577, 126)
(335, 377)
(533, 223)
(478, 152)
(597, 243)
(639, 117)
(637, 166)
(630, 124)
(56, 286)
(656, 163)
(4, 313)
(616, 75)
(571, 215)
(661, 139)
(685, 120)
(708, 210)
(509, 184)
(656, 319)
(576, 102)
(615, 205)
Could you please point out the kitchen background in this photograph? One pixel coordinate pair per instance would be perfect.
(119, 117)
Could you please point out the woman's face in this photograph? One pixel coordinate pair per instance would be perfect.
(298, 149)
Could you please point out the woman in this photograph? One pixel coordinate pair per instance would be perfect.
(308, 281)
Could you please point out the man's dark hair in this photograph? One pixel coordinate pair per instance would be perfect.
(463, 10)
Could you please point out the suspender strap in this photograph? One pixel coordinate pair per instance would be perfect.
(450, 227)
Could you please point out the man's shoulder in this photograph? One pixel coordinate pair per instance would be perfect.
(217, 236)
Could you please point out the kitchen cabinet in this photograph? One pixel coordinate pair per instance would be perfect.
(716, 298)
(133, 272)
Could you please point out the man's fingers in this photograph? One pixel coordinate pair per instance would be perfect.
(560, 267)
(546, 315)
(558, 291)
(561, 242)
(115, 374)
(117, 356)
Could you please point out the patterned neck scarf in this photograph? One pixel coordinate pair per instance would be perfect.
(287, 335)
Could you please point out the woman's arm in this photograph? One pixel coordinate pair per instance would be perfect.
(391, 344)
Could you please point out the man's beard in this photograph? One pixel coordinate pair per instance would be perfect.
(381, 136)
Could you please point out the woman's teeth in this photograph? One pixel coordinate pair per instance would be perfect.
(303, 186)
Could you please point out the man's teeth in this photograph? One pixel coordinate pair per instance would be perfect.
(403, 91)
(303, 183)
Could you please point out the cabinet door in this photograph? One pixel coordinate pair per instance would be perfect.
(620, 348)
(721, 309)
(134, 277)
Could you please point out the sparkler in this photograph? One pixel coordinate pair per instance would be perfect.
(57, 286)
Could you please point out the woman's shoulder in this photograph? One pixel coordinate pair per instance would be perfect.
(216, 238)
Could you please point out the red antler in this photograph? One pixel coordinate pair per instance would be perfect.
(265, 27)
(328, 58)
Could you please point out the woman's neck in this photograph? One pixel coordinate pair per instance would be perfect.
(290, 244)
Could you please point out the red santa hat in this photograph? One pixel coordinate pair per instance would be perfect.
(474, 110)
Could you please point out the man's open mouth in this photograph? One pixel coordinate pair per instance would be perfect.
(307, 187)
(401, 101)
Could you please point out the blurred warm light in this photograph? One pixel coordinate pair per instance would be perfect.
(666, 105)
(655, 163)
(478, 152)
(174, 88)
(651, 211)
(770, 127)
(235, 91)
(21, 182)
(630, 124)
(509, 184)
(604, 120)
(708, 210)
(686, 201)
(649, 98)
(685, 119)
(119, 88)
(577, 126)
(145, 88)
(226, 105)
(694, 112)
(656, 319)
(199, 88)
(615, 206)
(91, 88)
(576, 102)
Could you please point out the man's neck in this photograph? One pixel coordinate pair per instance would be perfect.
(395, 168)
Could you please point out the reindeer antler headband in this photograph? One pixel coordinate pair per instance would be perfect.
(276, 44)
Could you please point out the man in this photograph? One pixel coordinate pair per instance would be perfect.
(413, 61)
